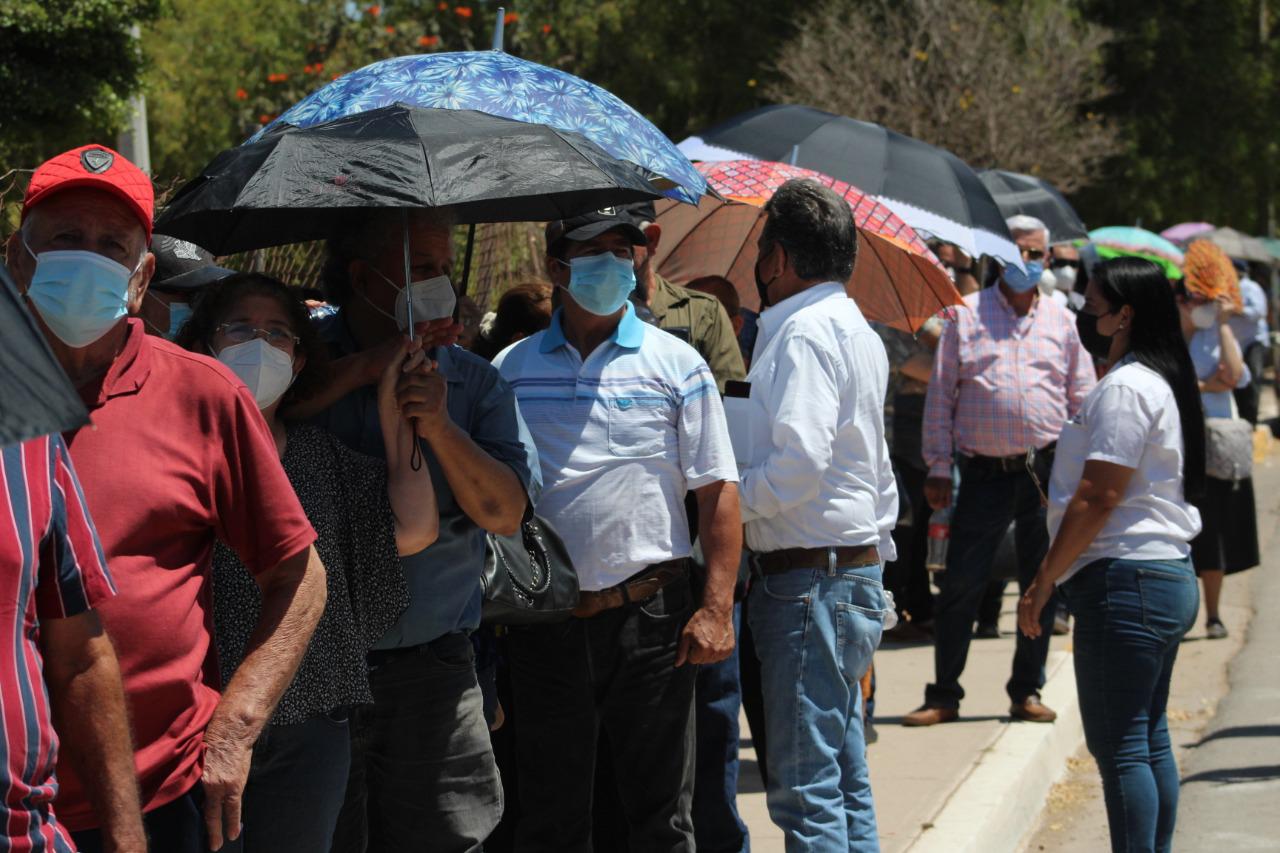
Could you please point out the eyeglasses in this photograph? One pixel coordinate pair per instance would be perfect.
(243, 332)
(1033, 254)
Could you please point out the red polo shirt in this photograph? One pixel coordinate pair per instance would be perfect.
(177, 455)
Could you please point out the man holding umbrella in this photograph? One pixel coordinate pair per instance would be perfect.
(177, 456)
(1010, 371)
(422, 768)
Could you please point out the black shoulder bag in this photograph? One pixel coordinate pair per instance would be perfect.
(528, 577)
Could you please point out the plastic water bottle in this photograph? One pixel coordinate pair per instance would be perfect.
(939, 538)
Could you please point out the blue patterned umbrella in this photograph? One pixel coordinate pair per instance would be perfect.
(502, 85)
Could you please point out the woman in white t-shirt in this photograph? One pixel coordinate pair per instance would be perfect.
(1121, 526)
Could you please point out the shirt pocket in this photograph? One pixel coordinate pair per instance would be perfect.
(640, 426)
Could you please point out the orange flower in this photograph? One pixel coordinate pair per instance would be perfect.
(390, 30)
(442, 6)
(462, 11)
(318, 67)
(264, 118)
(241, 95)
(306, 69)
(335, 76)
(510, 18)
(277, 78)
(428, 41)
(374, 11)
(546, 29)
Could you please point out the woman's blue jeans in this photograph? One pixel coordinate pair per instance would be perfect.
(1130, 617)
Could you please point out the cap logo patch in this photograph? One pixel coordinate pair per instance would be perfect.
(186, 251)
(608, 211)
(96, 161)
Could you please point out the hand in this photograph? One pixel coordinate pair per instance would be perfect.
(1226, 307)
(443, 332)
(226, 769)
(707, 637)
(937, 491)
(409, 357)
(1031, 605)
(435, 333)
(422, 397)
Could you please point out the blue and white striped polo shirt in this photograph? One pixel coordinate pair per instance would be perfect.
(621, 437)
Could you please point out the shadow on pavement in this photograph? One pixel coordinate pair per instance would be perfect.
(1238, 731)
(1233, 775)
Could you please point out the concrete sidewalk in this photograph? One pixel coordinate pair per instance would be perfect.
(974, 785)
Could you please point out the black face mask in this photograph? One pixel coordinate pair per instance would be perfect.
(1096, 344)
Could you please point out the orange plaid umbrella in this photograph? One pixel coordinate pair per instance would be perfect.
(896, 281)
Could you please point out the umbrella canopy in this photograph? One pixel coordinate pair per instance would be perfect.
(1117, 241)
(1028, 195)
(933, 190)
(1185, 231)
(896, 280)
(1239, 245)
(297, 184)
(36, 397)
(498, 84)
(1273, 246)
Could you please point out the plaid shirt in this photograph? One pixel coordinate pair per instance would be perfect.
(1002, 383)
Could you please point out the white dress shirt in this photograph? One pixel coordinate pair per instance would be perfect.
(621, 437)
(1250, 326)
(1130, 419)
(817, 473)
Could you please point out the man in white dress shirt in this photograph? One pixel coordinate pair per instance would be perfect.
(819, 502)
(1253, 335)
(626, 419)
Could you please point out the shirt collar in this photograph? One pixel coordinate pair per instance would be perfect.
(628, 334)
(128, 371)
(1008, 308)
(772, 318)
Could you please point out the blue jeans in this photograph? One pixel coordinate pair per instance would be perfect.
(983, 509)
(717, 826)
(815, 632)
(1130, 617)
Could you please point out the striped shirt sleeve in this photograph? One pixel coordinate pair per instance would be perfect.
(73, 575)
(940, 402)
(706, 456)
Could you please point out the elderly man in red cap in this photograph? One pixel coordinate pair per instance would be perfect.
(177, 456)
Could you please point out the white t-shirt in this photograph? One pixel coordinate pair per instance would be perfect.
(1129, 419)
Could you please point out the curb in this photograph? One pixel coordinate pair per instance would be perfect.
(997, 804)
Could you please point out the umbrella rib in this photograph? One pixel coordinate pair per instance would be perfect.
(875, 250)
(670, 253)
(743, 247)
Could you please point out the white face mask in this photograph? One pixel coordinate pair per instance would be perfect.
(266, 370)
(1065, 278)
(1048, 283)
(433, 299)
(1204, 316)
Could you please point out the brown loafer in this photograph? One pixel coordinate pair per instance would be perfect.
(930, 714)
(1032, 710)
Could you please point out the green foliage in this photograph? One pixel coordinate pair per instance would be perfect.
(67, 69)
(1195, 86)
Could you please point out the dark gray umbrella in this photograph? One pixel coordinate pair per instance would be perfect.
(1026, 194)
(300, 184)
(930, 188)
(36, 397)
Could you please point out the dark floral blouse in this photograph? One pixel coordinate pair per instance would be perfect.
(344, 495)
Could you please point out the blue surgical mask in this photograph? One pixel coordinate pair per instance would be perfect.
(601, 283)
(80, 295)
(1021, 282)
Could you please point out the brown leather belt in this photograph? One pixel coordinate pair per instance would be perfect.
(636, 588)
(788, 559)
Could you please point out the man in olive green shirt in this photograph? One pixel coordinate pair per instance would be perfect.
(696, 318)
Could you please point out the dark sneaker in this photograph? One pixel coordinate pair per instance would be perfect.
(987, 631)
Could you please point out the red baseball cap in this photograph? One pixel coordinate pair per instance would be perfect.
(101, 168)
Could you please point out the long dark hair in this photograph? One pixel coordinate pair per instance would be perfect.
(1155, 341)
(218, 300)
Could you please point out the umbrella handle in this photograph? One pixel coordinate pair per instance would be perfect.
(415, 457)
(498, 24)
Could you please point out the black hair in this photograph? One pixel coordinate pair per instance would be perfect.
(1155, 341)
(217, 301)
(522, 311)
(816, 228)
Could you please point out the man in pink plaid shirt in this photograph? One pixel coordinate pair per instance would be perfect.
(1010, 371)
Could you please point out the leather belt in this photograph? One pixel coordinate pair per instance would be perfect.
(633, 589)
(789, 559)
(1014, 464)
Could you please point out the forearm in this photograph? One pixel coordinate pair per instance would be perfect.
(1232, 362)
(293, 599)
(488, 491)
(412, 496)
(720, 532)
(97, 744)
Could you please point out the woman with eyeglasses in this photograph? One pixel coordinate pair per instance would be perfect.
(367, 513)
(1121, 520)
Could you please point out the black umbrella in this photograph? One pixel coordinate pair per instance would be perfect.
(36, 397)
(930, 188)
(1028, 195)
(300, 184)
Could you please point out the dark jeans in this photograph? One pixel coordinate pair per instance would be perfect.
(613, 672)
(1130, 617)
(986, 504)
(176, 827)
(906, 577)
(296, 785)
(422, 769)
(1247, 397)
(717, 826)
